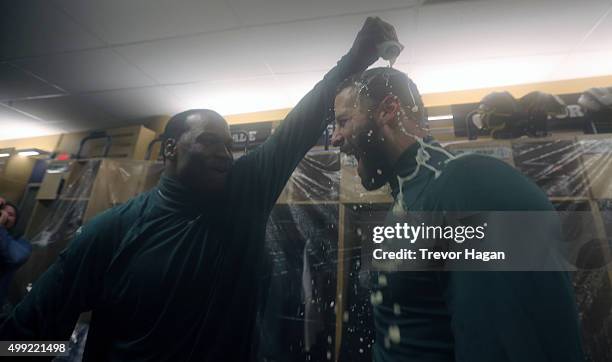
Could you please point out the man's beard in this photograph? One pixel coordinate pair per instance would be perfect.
(374, 168)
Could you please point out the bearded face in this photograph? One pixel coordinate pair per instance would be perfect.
(357, 133)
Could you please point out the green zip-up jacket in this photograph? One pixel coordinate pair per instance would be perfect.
(168, 278)
(473, 316)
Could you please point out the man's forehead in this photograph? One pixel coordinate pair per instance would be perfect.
(344, 103)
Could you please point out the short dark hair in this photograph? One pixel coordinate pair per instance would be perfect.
(177, 125)
(373, 85)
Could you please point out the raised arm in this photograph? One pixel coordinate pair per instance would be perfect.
(275, 160)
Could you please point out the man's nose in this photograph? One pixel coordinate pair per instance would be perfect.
(336, 139)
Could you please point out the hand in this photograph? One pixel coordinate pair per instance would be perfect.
(373, 32)
(3, 217)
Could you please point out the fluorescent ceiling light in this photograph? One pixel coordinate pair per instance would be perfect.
(28, 153)
(439, 118)
(5, 154)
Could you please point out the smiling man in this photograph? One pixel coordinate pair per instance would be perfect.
(173, 275)
(445, 316)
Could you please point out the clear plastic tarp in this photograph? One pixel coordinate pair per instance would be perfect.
(318, 294)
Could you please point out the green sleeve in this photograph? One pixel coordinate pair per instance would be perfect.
(71, 285)
(507, 316)
(274, 161)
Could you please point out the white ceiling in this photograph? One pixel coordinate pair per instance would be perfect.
(69, 65)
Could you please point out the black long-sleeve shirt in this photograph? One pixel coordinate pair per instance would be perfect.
(168, 278)
(474, 316)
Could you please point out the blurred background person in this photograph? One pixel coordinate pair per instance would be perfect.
(14, 251)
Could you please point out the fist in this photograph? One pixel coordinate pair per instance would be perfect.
(3, 217)
(373, 32)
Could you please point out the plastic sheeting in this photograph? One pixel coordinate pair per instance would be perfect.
(318, 294)
(574, 171)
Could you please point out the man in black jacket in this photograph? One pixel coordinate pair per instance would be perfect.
(172, 275)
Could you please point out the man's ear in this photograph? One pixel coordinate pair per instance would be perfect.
(170, 149)
(388, 110)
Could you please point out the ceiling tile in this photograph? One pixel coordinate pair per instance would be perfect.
(90, 70)
(600, 38)
(13, 130)
(120, 21)
(36, 27)
(584, 65)
(15, 83)
(69, 110)
(129, 104)
(466, 31)
(219, 56)
(258, 12)
(318, 44)
(17, 125)
(253, 95)
(7, 114)
(499, 72)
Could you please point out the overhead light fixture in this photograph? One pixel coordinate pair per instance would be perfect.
(6, 152)
(31, 152)
(440, 118)
(28, 153)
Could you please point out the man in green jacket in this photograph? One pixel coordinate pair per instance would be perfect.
(173, 274)
(463, 316)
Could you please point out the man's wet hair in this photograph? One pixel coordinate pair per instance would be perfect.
(372, 86)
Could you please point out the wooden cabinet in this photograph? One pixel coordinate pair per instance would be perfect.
(15, 172)
(126, 142)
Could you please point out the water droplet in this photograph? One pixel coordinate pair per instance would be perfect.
(379, 171)
(397, 310)
(376, 298)
(331, 304)
(387, 343)
(329, 355)
(345, 316)
(382, 280)
(329, 339)
(359, 231)
(394, 334)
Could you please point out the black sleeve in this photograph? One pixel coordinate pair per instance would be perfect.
(273, 162)
(70, 286)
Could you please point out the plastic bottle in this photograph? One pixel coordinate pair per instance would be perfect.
(390, 50)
